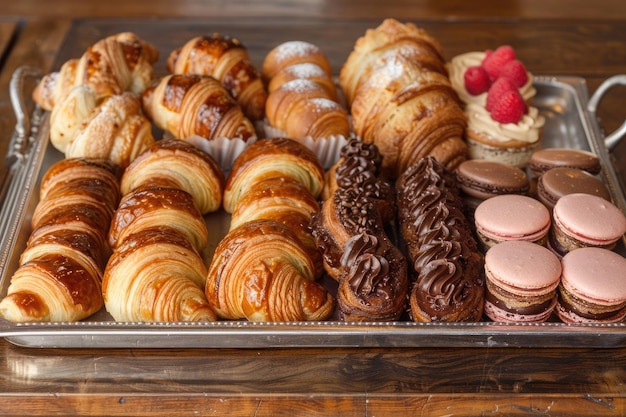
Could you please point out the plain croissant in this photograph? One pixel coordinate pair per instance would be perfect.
(156, 275)
(188, 104)
(114, 128)
(117, 63)
(226, 59)
(261, 272)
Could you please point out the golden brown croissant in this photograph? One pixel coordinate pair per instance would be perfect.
(386, 42)
(261, 272)
(226, 59)
(189, 104)
(156, 275)
(114, 128)
(284, 200)
(60, 271)
(303, 108)
(154, 207)
(304, 71)
(175, 163)
(407, 107)
(275, 157)
(117, 63)
(446, 265)
(292, 53)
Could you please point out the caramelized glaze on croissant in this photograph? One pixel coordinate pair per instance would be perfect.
(177, 164)
(113, 128)
(226, 59)
(275, 157)
(158, 206)
(261, 272)
(190, 104)
(117, 63)
(60, 271)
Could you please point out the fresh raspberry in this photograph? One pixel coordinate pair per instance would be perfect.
(476, 80)
(497, 90)
(516, 72)
(509, 108)
(495, 61)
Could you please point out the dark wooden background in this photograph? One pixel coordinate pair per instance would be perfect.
(580, 38)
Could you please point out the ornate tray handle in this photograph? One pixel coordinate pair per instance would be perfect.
(20, 141)
(592, 106)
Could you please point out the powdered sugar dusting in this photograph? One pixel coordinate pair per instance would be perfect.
(301, 85)
(292, 49)
(321, 104)
(305, 70)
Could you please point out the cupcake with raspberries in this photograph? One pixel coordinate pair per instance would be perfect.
(497, 92)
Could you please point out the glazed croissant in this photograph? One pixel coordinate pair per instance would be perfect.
(113, 128)
(117, 63)
(226, 59)
(446, 265)
(272, 157)
(187, 105)
(407, 107)
(302, 100)
(175, 163)
(261, 272)
(154, 207)
(284, 200)
(59, 274)
(156, 275)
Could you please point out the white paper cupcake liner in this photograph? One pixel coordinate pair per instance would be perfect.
(223, 150)
(328, 150)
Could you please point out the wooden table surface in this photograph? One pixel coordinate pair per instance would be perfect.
(579, 38)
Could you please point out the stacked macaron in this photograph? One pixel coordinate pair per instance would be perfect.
(522, 278)
(592, 287)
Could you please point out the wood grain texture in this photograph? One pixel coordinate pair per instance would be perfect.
(352, 9)
(575, 38)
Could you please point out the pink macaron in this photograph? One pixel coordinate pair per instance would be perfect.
(522, 278)
(511, 217)
(582, 220)
(593, 287)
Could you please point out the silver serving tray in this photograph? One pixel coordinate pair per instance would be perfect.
(570, 122)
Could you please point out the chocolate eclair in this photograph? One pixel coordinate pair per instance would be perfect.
(445, 266)
(350, 232)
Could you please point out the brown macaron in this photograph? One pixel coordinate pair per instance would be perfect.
(558, 182)
(483, 179)
(544, 159)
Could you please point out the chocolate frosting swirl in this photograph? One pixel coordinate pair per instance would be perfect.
(446, 264)
(350, 232)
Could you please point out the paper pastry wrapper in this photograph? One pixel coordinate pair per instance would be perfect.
(328, 150)
(223, 150)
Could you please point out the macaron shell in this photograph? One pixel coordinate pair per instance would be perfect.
(561, 181)
(483, 178)
(512, 216)
(544, 159)
(590, 219)
(595, 274)
(522, 267)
